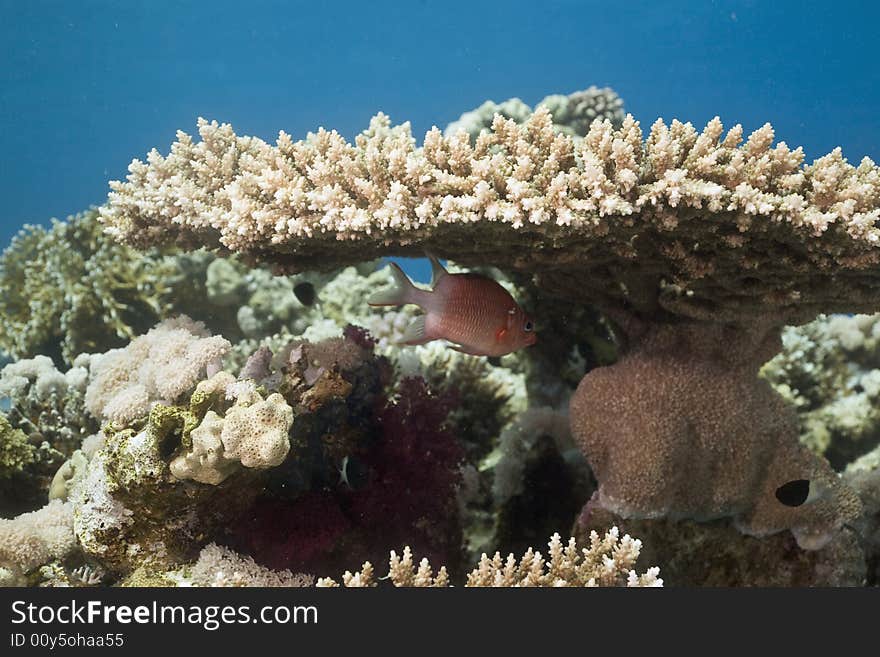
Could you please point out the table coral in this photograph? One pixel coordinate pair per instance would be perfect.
(609, 219)
(699, 246)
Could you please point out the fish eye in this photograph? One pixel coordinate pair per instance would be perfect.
(528, 326)
(794, 493)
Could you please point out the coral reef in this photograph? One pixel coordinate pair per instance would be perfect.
(132, 506)
(131, 512)
(219, 566)
(863, 475)
(47, 404)
(71, 289)
(572, 114)
(690, 242)
(829, 370)
(33, 539)
(45, 423)
(16, 453)
(608, 561)
(716, 554)
(282, 433)
(540, 479)
(395, 479)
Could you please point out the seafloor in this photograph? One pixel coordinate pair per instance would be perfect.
(184, 416)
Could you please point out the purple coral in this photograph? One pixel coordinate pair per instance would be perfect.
(415, 472)
(408, 496)
(360, 336)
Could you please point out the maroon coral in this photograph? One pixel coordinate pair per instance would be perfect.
(413, 464)
(415, 471)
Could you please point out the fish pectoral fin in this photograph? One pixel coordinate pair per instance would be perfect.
(415, 333)
(500, 333)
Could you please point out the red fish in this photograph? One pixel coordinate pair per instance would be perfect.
(471, 311)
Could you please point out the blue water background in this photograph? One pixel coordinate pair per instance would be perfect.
(86, 86)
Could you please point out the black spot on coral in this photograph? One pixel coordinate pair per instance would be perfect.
(794, 493)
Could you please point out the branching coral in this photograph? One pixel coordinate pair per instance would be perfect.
(16, 453)
(45, 423)
(608, 561)
(71, 289)
(48, 404)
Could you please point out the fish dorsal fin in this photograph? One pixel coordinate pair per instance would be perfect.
(400, 293)
(437, 270)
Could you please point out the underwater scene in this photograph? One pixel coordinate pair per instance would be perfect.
(440, 294)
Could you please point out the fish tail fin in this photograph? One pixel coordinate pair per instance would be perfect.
(400, 293)
(415, 333)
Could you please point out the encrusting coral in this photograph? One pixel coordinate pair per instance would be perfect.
(698, 245)
(608, 561)
(715, 554)
(131, 507)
